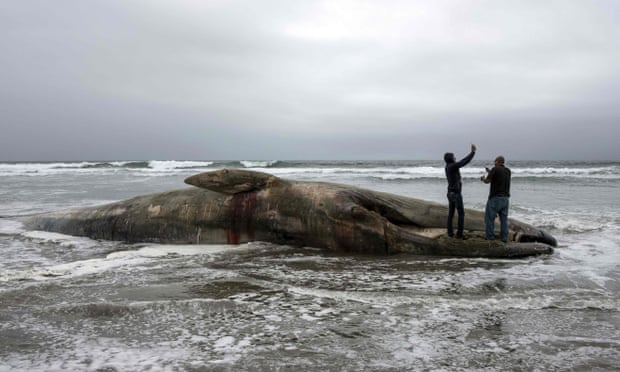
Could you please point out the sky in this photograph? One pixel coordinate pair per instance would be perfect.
(309, 80)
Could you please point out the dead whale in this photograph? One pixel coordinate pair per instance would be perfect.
(236, 206)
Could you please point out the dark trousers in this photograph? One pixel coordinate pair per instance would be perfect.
(455, 202)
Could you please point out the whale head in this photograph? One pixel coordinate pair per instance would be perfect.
(232, 181)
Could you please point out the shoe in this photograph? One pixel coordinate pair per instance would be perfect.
(462, 237)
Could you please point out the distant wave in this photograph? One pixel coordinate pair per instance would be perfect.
(258, 164)
(178, 165)
(384, 170)
(49, 168)
(129, 164)
(602, 172)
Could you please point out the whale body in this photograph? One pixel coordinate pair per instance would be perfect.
(235, 206)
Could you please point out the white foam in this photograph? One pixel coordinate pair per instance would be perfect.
(70, 270)
(257, 164)
(11, 226)
(340, 174)
(610, 172)
(224, 342)
(174, 165)
(153, 251)
(426, 171)
(62, 240)
(104, 353)
(594, 257)
(113, 261)
(43, 169)
(47, 236)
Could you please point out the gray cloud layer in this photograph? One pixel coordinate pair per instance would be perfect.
(308, 80)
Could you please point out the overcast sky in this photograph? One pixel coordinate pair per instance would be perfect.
(277, 80)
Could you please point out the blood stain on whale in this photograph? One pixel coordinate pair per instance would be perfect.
(242, 207)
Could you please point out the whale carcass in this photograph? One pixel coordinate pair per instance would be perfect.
(235, 206)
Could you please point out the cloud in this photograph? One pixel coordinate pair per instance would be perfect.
(316, 79)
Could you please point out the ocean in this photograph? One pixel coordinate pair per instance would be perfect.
(72, 303)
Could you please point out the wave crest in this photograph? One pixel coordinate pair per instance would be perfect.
(385, 170)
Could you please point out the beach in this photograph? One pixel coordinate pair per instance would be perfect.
(72, 303)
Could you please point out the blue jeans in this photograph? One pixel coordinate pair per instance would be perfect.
(497, 205)
(455, 202)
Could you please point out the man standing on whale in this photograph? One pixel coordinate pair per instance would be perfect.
(455, 199)
(497, 204)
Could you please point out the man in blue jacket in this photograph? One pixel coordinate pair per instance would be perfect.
(455, 199)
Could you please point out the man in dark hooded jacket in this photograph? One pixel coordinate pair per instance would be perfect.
(455, 199)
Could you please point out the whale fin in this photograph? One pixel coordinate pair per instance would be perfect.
(233, 181)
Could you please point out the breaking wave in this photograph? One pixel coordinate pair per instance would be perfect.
(384, 170)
